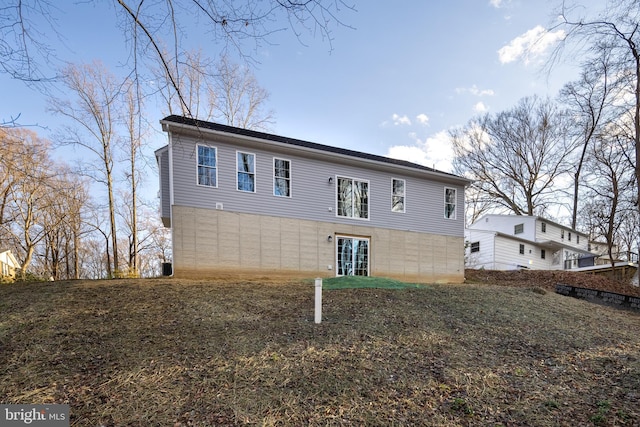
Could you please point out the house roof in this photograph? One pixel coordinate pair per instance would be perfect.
(216, 127)
(533, 217)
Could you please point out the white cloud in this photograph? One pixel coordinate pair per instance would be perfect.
(529, 45)
(435, 151)
(496, 3)
(422, 119)
(480, 107)
(474, 90)
(400, 120)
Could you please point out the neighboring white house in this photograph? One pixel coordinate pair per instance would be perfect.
(8, 266)
(510, 242)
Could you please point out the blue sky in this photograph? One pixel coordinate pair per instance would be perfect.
(394, 83)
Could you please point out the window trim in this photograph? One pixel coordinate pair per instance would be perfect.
(455, 204)
(368, 211)
(198, 165)
(288, 179)
(404, 195)
(255, 179)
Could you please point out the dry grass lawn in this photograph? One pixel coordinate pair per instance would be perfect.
(165, 352)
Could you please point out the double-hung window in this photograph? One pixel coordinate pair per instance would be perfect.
(207, 166)
(450, 203)
(398, 195)
(246, 166)
(353, 198)
(281, 177)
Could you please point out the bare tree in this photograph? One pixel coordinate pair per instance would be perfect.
(609, 176)
(149, 26)
(94, 112)
(615, 29)
(590, 100)
(516, 156)
(238, 98)
(28, 196)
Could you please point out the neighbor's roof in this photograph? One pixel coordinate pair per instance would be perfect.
(201, 124)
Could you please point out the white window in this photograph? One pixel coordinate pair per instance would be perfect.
(281, 177)
(544, 227)
(518, 229)
(352, 198)
(352, 256)
(521, 249)
(397, 195)
(207, 166)
(246, 166)
(450, 203)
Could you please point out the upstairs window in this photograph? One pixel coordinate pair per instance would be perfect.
(246, 166)
(450, 203)
(518, 229)
(578, 239)
(544, 227)
(353, 198)
(281, 177)
(562, 234)
(569, 236)
(207, 166)
(398, 195)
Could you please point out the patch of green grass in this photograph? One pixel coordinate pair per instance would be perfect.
(359, 282)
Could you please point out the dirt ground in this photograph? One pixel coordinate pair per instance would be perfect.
(549, 279)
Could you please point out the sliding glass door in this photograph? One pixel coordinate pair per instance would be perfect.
(352, 256)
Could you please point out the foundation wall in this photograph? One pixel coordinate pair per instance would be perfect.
(218, 242)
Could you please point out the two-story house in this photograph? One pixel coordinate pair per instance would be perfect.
(509, 242)
(241, 201)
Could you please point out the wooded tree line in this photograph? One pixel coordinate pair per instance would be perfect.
(87, 220)
(573, 158)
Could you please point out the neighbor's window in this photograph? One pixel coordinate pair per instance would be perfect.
(562, 234)
(475, 247)
(207, 166)
(544, 227)
(578, 239)
(353, 198)
(398, 195)
(543, 254)
(521, 249)
(246, 172)
(450, 203)
(569, 236)
(281, 177)
(518, 229)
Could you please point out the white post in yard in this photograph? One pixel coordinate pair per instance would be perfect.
(318, 305)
